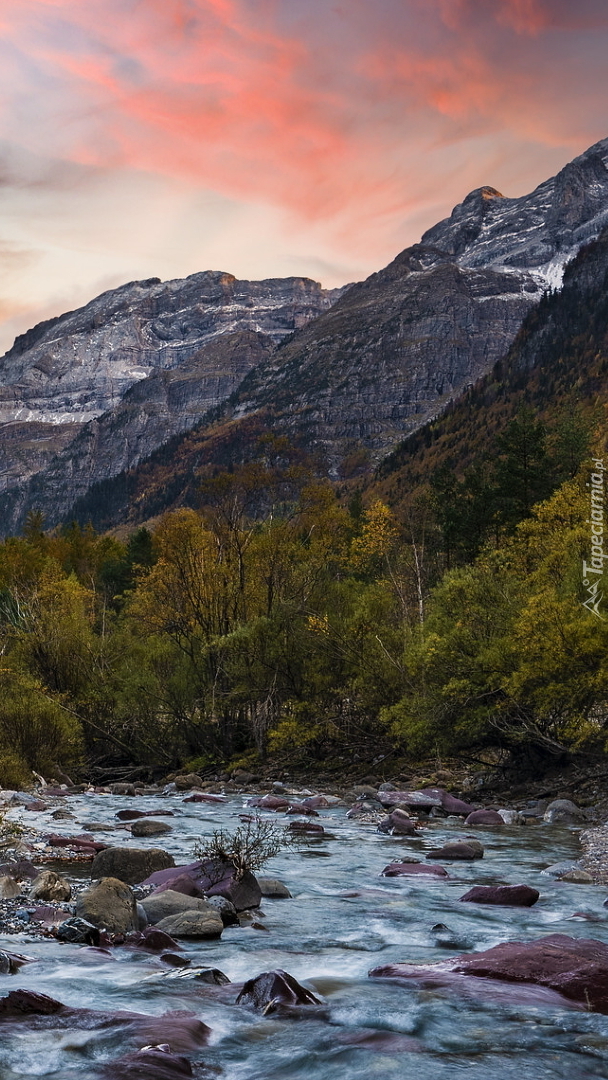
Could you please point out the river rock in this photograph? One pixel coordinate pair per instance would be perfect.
(78, 932)
(574, 967)
(577, 877)
(271, 989)
(50, 886)
(512, 817)
(109, 904)
(270, 802)
(402, 869)
(413, 800)
(398, 823)
(189, 780)
(10, 963)
(458, 849)
(301, 808)
(221, 879)
(9, 888)
(148, 827)
(504, 895)
(20, 869)
(311, 828)
(272, 888)
(484, 817)
(193, 924)
(563, 812)
(183, 883)
(321, 802)
(160, 905)
(132, 865)
(150, 1063)
(153, 940)
(205, 796)
(225, 909)
(122, 789)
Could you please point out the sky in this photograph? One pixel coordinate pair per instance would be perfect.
(270, 138)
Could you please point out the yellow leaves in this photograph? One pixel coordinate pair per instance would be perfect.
(377, 538)
(318, 624)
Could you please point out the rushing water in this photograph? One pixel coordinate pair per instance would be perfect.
(329, 941)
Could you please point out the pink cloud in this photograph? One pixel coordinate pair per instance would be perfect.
(320, 109)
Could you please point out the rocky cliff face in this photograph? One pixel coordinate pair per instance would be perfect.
(373, 365)
(74, 368)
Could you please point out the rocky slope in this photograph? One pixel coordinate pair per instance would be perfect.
(387, 355)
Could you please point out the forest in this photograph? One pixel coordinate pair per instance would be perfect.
(288, 617)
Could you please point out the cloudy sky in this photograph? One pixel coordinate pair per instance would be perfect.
(268, 138)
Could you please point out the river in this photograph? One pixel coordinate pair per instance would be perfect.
(329, 941)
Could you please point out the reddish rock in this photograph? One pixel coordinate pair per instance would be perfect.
(214, 879)
(270, 802)
(28, 1003)
(459, 849)
(301, 808)
(398, 823)
(83, 842)
(574, 967)
(484, 817)
(504, 895)
(183, 883)
(203, 796)
(36, 806)
(315, 802)
(310, 827)
(151, 1063)
(153, 940)
(399, 869)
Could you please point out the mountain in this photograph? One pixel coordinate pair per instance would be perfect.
(68, 371)
(375, 364)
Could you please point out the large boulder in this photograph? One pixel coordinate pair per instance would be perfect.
(132, 865)
(193, 924)
(503, 895)
(162, 905)
(271, 989)
(109, 904)
(552, 969)
(221, 879)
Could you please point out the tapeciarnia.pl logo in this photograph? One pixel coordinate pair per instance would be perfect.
(593, 571)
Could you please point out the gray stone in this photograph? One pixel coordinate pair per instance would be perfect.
(109, 904)
(149, 827)
(192, 924)
(272, 888)
(50, 886)
(132, 865)
(9, 888)
(161, 905)
(564, 812)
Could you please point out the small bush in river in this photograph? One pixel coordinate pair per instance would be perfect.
(248, 848)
